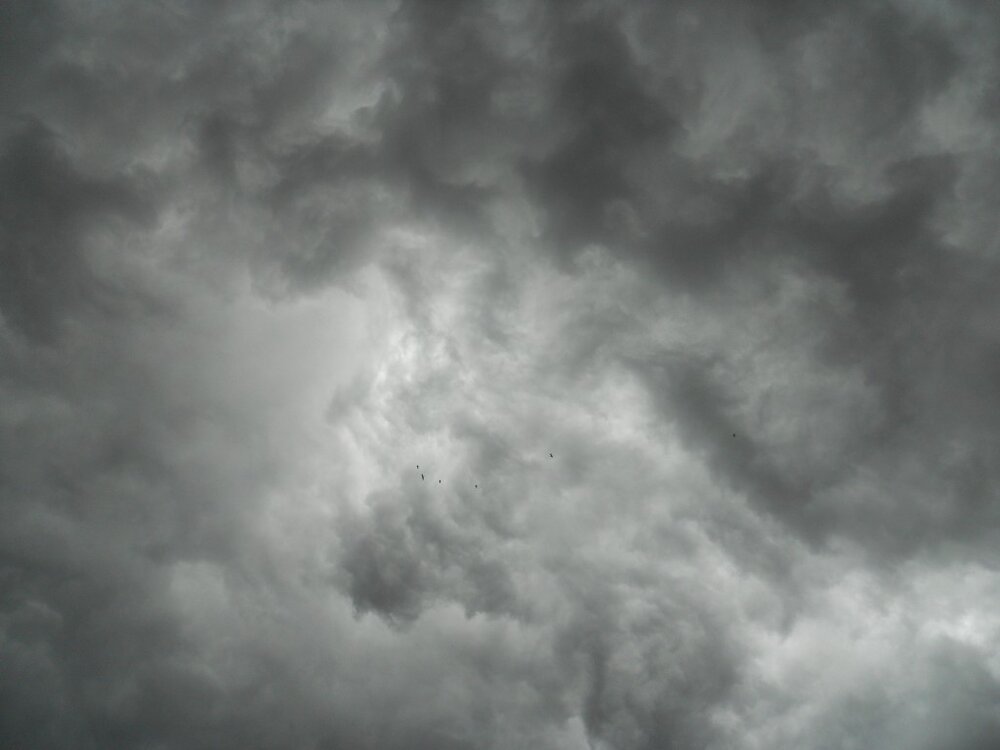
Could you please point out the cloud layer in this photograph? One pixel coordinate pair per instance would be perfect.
(604, 375)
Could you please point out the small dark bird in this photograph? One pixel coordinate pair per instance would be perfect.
(734, 434)
(477, 486)
(551, 456)
(418, 466)
(421, 477)
(439, 481)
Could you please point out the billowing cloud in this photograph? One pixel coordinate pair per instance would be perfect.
(446, 375)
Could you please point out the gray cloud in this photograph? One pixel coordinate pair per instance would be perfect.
(49, 206)
(685, 313)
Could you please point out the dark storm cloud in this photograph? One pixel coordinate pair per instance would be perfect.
(604, 182)
(903, 284)
(887, 251)
(48, 206)
(732, 266)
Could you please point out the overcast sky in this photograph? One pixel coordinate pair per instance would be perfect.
(297, 299)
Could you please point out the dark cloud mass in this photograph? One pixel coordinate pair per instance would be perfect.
(687, 311)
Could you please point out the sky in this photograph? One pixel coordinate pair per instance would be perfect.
(464, 375)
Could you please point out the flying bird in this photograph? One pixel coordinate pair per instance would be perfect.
(551, 456)
(421, 477)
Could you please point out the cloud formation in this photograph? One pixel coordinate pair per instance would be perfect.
(605, 375)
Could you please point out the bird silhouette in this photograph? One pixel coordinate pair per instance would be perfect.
(439, 481)
(551, 456)
(421, 477)
(477, 486)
